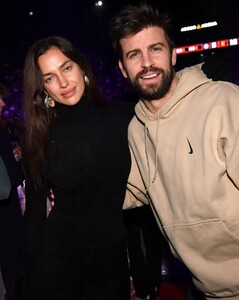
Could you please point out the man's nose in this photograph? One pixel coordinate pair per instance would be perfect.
(147, 60)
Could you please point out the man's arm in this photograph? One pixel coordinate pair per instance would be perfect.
(135, 194)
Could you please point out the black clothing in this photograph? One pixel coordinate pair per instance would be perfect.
(71, 270)
(10, 215)
(88, 168)
(144, 250)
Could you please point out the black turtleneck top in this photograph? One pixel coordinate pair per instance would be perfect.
(88, 167)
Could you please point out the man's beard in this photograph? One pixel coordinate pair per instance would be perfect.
(153, 91)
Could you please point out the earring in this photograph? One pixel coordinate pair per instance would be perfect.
(87, 81)
(49, 102)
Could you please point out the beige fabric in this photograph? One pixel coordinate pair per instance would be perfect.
(194, 193)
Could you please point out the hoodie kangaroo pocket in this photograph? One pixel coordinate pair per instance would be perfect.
(211, 252)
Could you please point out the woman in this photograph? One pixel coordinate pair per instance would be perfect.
(76, 144)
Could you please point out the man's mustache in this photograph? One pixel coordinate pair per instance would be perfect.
(149, 69)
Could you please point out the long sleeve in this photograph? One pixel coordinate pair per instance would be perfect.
(34, 215)
(135, 194)
(14, 168)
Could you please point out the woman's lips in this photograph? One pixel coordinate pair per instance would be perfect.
(69, 93)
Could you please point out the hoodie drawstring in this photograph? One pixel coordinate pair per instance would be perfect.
(147, 152)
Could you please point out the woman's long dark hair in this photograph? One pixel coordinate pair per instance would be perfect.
(38, 118)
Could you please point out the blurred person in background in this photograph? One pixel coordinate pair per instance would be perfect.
(10, 208)
(2, 288)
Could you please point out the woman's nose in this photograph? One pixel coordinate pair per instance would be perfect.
(63, 81)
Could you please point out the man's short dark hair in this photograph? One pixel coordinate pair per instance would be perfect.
(132, 19)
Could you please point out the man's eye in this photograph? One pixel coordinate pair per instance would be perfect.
(156, 49)
(133, 55)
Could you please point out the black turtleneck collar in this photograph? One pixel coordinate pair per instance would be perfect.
(80, 107)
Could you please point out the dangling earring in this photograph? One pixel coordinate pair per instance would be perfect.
(49, 102)
(87, 81)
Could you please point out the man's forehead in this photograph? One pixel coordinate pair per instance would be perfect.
(149, 35)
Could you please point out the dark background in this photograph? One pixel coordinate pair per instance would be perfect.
(87, 25)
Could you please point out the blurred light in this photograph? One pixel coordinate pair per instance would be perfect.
(99, 3)
(206, 46)
(198, 26)
(233, 42)
(30, 13)
(214, 45)
(209, 24)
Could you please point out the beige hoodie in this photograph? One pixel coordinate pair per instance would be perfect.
(187, 157)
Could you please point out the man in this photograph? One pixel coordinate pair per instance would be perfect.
(184, 142)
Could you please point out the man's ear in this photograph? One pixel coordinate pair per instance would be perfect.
(174, 57)
(122, 69)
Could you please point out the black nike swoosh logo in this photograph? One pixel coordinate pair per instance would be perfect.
(190, 147)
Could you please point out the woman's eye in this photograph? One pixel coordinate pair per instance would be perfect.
(48, 79)
(68, 68)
